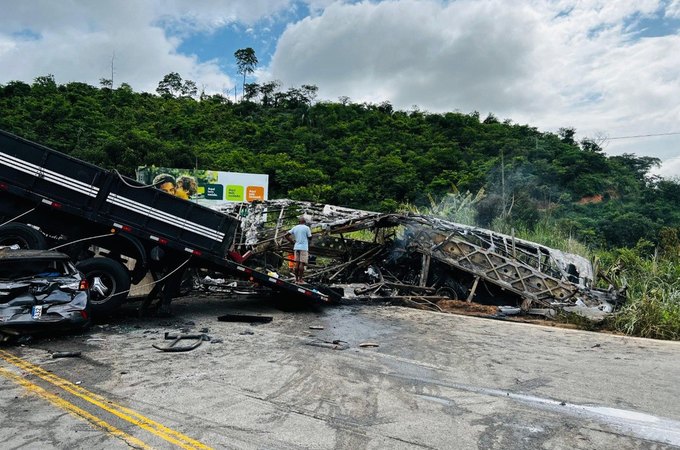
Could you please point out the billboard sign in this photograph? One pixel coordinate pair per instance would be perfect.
(207, 187)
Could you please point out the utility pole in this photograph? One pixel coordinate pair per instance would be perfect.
(503, 183)
(113, 57)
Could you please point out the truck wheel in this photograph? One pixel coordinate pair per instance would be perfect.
(22, 235)
(109, 284)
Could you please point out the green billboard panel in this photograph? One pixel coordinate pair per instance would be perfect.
(234, 193)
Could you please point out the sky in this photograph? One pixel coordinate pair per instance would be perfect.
(608, 68)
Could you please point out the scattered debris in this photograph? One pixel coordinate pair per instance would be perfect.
(334, 345)
(369, 344)
(248, 318)
(173, 347)
(65, 355)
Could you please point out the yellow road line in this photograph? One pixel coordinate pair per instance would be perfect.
(122, 412)
(73, 409)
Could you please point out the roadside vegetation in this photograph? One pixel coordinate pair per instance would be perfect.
(652, 276)
(543, 187)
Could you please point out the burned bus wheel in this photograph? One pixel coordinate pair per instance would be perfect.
(22, 235)
(453, 290)
(109, 284)
(447, 292)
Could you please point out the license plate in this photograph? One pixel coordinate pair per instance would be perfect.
(36, 312)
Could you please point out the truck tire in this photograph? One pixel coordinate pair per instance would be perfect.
(26, 237)
(109, 284)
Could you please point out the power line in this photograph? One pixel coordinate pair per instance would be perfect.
(643, 135)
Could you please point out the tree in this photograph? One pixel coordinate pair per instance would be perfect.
(250, 91)
(567, 135)
(268, 91)
(189, 88)
(309, 92)
(170, 85)
(246, 61)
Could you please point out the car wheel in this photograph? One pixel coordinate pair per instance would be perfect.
(22, 235)
(109, 284)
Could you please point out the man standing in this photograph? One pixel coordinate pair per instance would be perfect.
(303, 236)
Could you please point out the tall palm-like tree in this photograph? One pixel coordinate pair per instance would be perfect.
(246, 61)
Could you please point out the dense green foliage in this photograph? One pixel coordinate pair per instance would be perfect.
(651, 274)
(358, 155)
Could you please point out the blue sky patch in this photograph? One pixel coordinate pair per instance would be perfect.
(656, 26)
(223, 42)
(27, 35)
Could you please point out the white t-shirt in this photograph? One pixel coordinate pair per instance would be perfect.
(302, 233)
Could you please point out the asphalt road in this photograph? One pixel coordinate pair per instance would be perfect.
(434, 381)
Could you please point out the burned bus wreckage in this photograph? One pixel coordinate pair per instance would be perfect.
(421, 259)
(118, 231)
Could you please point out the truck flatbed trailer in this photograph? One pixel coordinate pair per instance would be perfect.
(47, 196)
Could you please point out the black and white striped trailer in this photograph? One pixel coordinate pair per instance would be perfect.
(47, 197)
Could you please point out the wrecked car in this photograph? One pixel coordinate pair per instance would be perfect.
(40, 291)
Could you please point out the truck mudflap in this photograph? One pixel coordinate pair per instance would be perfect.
(307, 291)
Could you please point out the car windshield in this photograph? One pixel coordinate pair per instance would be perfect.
(13, 269)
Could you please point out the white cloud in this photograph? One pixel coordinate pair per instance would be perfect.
(673, 9)
(670, 168)
(208, 15)
(412, 52)
(551, 64)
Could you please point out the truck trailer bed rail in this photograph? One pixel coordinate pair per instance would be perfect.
(61, 194)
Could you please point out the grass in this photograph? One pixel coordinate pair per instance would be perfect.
(652, 308)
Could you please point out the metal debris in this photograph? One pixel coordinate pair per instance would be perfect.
(174, 348)
(421, 260)
(334, 345)
(248, 318)
(369, 344)
(65, 355)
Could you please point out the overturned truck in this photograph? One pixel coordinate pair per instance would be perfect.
(424, 259)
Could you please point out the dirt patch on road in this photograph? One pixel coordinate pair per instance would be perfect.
(463, 307)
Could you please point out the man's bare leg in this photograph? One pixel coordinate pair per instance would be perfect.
(301, 272)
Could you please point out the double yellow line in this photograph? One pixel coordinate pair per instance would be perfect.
(133, 417)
